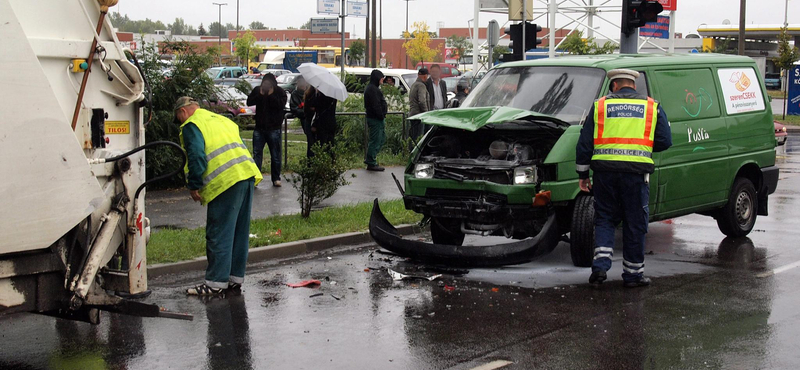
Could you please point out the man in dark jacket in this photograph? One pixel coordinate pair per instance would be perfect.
(437, 89)
(270, 102)
(462, 91)
(617, 142)
(297, 108)
(376, 108)
(323, 125)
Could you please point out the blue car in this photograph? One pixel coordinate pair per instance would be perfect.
(773, 81)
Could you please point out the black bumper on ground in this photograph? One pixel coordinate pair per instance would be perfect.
(493, 255)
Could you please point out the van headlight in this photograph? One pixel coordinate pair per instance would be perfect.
(524, 175)
(423, 170)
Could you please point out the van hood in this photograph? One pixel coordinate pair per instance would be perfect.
(472, 119)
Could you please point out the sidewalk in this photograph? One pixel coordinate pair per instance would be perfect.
(175, 209)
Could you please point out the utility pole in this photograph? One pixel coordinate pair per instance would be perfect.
(366, 40)
(380, 3)
(742, 25)
(239, 62)
(476, 1)
(524, 21)
(343, 15)
(374, 48)
(219, 22)
(476, 51)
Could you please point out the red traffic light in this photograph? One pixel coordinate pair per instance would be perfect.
(636, 13)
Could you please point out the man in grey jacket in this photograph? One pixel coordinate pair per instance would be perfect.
(418, 102)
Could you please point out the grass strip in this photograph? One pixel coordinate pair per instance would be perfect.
(173, 245)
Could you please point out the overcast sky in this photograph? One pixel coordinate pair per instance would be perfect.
(453, 13)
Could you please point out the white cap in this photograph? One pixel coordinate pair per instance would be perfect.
(623, 73)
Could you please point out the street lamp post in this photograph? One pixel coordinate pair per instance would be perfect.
(406, 29)
(219, 42)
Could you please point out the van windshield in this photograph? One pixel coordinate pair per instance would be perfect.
(566, 93)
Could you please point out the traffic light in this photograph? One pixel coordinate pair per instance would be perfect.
(635, 13)
(514, 33)
(531, 33)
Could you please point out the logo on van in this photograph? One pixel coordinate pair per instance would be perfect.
(698, 100)
(741, 81)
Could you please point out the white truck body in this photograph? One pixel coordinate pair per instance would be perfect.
(64, 214)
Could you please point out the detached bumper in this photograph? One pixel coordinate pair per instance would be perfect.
(492, 255)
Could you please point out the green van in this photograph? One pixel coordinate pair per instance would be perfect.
(504, 163)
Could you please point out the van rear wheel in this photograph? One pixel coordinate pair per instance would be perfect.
(582, 232)
(738, 217)
(446, 231)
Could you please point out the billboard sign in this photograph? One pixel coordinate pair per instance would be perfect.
(669, 5)
(657, 30)
(357, 9)
(324, 25)
(794, 91)
(328, 7)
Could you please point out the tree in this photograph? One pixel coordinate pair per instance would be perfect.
(306, 26)
(722, 46)
(787, 56)
(499, 50)
(257, 25)
(460, 43)
(417, 43)
(318, 177)
(201, 31)
(214, 29)
(576, 44)
(245, 46)
(357, 49)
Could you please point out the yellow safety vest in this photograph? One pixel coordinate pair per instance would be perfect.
(623, 130)
(228, 159)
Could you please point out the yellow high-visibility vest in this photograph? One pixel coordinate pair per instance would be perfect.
(623, 130)
(228, 159)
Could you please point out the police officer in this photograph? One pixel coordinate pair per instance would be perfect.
(221, 174)
(617, 142)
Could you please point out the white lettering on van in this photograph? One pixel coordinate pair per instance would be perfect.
(699, 135)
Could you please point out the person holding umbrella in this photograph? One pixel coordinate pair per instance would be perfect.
(323, 104)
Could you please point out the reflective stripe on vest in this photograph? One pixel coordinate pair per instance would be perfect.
(228, 160)
(624, 130)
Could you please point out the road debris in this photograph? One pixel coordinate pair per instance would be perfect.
(305, 284)
(396, 276)
(316, 295)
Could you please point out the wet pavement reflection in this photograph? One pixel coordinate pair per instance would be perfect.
(716, 302)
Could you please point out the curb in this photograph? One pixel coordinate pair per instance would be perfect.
(276, 251)
(791, 128)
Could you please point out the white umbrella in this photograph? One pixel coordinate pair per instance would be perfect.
(323, 80)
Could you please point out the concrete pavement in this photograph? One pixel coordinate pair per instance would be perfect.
(175, 209)
(715, 303)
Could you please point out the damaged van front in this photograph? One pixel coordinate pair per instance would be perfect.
(501, 165)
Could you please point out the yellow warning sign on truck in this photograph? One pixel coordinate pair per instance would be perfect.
(118, 127)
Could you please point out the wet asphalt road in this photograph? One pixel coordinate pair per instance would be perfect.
(715, 303)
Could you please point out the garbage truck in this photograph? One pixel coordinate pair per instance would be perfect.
(73, 227)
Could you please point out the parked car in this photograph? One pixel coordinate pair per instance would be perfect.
(473, 78)
(225, 72)
(452, 84)
(403, 78)
(503, 164)
(448, 70)
(233, 81)
(773, 81)
(288, 81)
(230, 103)
(276, 72)
(780, 133)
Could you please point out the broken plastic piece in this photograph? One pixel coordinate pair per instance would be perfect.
(398, 276)
(315, 295)
(306, 284)
(449, 288)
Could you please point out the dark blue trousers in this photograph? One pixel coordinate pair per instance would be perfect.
(272, 139)
(620, 197)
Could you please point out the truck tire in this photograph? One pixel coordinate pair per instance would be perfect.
(582, 232)
(738, 216)
(446, 231)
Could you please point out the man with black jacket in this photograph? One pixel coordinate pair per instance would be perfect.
(376, 107)
(270, 101)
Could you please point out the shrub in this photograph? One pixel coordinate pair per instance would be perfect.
(318, 177)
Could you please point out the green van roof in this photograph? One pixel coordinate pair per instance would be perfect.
(613, 61)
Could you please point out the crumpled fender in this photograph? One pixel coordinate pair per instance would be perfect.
(518, 252)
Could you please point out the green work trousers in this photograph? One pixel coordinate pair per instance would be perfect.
(377, 137)
(228, 234)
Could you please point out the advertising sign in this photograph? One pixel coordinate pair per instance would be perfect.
(328, 7)
(324, 25)
(794, 91)
(741, 90)
(669, 5)
(657, 30)
(357, 9)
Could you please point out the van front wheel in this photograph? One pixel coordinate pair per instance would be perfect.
(581, 234)
(738, 217)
